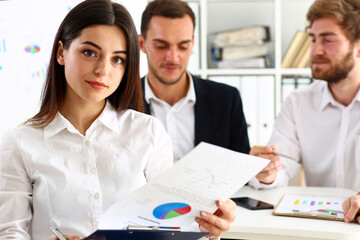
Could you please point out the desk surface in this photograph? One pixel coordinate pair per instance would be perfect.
(262, 224)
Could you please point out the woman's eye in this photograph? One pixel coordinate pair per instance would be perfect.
(89, 53)
(118, 60)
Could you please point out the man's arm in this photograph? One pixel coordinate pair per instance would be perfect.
(285, 138)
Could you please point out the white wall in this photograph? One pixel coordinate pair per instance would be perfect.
(33, 23)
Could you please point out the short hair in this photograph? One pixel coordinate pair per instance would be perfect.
(165, 8)
(345, 12)
(89, 13)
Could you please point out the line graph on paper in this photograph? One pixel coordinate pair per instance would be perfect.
(210, 172)
(210, 180)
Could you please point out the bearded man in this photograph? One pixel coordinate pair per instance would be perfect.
(320, 125)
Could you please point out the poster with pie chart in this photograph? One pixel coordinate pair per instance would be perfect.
(171, 210)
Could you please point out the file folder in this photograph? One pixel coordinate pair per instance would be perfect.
(144, 234)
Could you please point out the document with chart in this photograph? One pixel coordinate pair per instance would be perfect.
(206, 174)
(321, 207)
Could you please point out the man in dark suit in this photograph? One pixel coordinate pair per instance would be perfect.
(191, 109)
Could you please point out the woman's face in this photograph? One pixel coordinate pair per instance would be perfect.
(94, 63)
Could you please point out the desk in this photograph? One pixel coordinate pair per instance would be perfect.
(261, 224)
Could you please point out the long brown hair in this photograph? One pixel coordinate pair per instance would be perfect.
(92, 12)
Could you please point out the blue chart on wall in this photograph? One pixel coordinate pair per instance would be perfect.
(2, 53)
(26, 37)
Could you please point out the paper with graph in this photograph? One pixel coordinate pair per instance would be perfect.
(208, 173)
(308, 206)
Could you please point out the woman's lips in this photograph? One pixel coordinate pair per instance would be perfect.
(96, 85)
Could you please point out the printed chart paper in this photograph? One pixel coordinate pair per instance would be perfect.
(206, 174)
(315, 206)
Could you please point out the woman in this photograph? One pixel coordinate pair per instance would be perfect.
(87, 146)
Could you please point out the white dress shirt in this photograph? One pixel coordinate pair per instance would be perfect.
(178, 120)
(322, 134)
(55, 176)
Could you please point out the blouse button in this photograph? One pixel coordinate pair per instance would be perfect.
(97, 195)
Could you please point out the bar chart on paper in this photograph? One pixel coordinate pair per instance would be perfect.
(291, 203)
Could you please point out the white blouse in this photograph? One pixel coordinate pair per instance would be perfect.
(55, 176)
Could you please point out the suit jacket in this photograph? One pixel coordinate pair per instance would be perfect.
(219, 116)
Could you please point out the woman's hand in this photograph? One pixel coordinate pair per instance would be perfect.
(220, 221)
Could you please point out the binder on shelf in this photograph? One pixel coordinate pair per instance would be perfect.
(307, 206)
(249, 94)
(305, 60)
(302, 82)
(246, 47)
(255, 62)
(265, 107)
(239, 52)
(139, 234)
(304, 52)
(257, 94)
(242, 36)
(293, 49)
(290, 83)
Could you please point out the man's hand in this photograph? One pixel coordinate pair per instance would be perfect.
(351, 208)
(219, 222)
(269, 173)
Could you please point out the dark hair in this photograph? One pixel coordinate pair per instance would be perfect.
(345, 12)
(165, 8)
(85, 14)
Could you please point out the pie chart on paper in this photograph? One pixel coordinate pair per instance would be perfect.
(171, 210)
